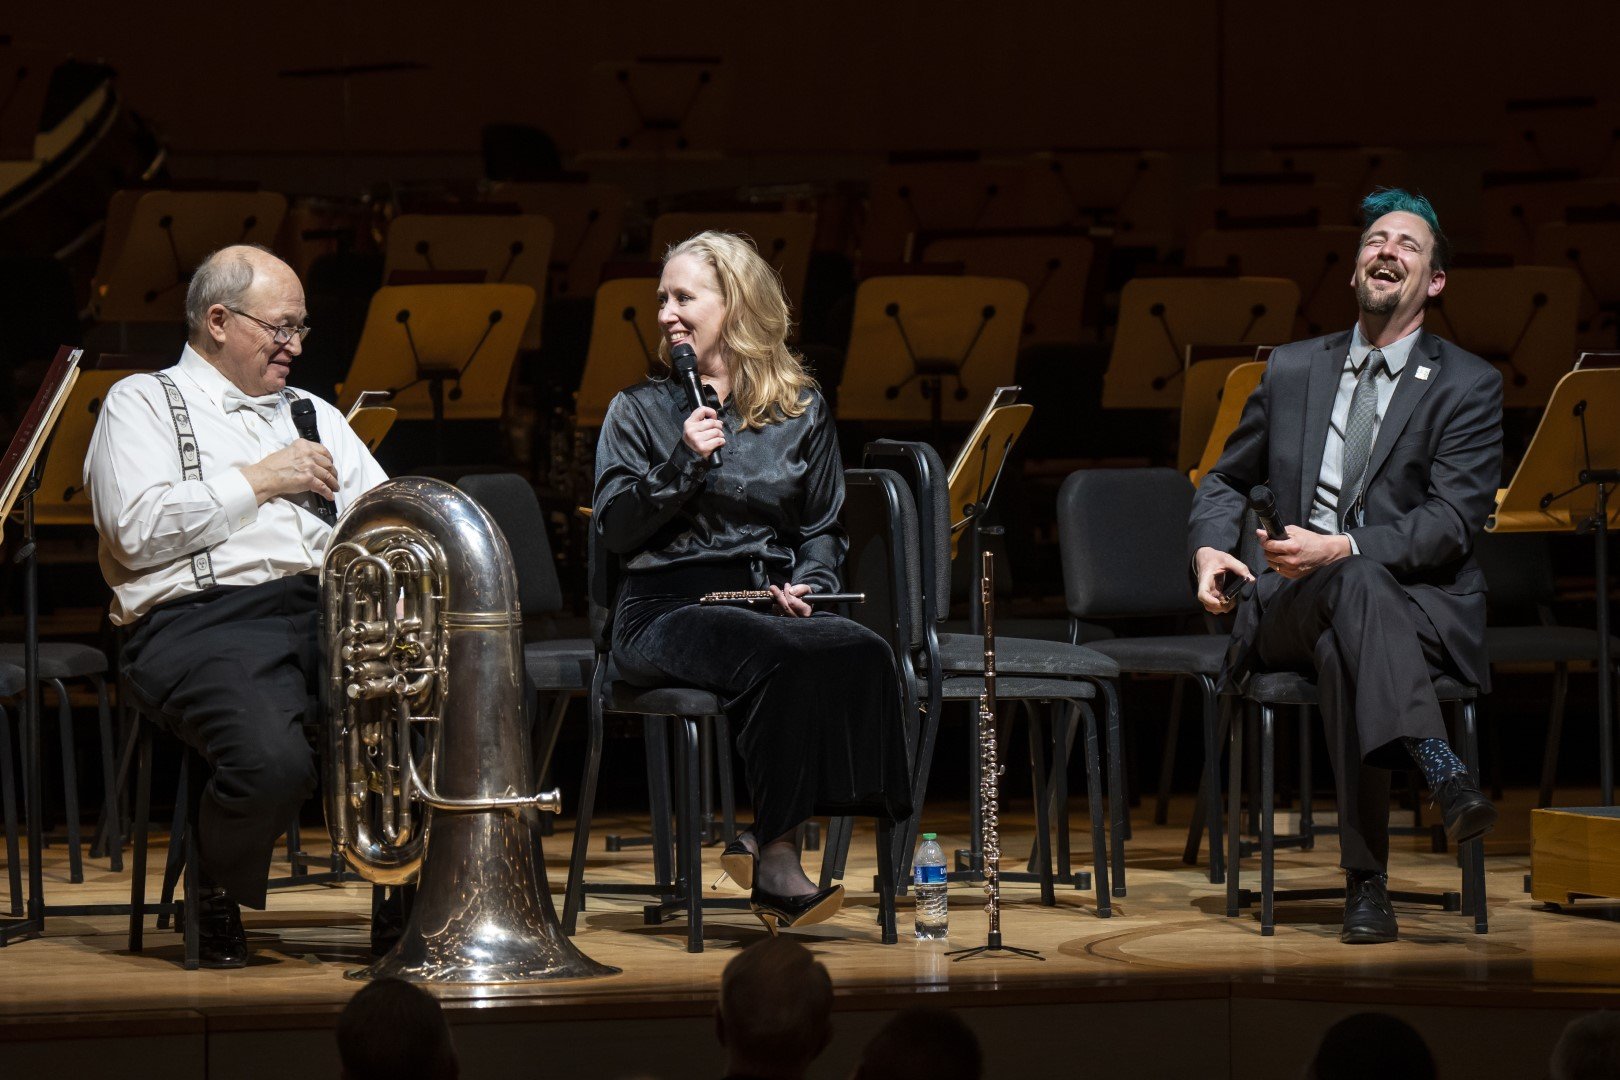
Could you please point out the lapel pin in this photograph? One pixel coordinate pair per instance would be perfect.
(1423, 373)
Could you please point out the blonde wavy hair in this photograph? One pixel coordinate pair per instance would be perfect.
(768, 381)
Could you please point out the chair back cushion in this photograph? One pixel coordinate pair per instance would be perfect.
(510, 500)
(1122, 534)
(881, 523)
(923, 471)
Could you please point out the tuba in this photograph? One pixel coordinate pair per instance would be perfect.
(426, 760)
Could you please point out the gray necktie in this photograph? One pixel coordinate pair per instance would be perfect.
(1358, 437)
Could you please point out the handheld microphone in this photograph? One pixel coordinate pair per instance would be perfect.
(1264, 505)
(684, 359)
(303, 416)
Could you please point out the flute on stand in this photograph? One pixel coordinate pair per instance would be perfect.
(990, 779)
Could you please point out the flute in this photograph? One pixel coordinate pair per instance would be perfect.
(747, 597)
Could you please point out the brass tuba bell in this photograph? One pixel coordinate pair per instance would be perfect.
(426, 759)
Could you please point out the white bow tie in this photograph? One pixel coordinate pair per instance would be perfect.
(266, 406)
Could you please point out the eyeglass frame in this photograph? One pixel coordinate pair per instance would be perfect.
(281, 335)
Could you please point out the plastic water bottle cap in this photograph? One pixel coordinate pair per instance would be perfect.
(929, 835)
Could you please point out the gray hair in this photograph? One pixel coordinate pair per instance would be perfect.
(223, 277)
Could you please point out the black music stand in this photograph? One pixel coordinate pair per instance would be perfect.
(975, 475)
(1581, 426)
(23, 466)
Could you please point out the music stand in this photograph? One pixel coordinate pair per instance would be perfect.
(155, 239)
(1054, 266)
(1160, 317)
(20, 473)
(923, 349)
(1576, 447)
(1513, 211)
(586, 219)
(1240, 383)
(624, 344)
(507, 248)
(1592, 250)
(1131, 193)
(914, 197)
(977, 471)
(62, 498)
(1266, 196)
(784, 238)
(657, 106)
(419, 338)
(1318, 260)
(371, 423)
(1522, 319)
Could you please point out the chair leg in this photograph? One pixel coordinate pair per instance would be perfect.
(922, 763)
(1555, 732)
(887, 858)
(1094, 801)
(179, 833)
(143, 808)
(1118, 799)
(1268, 820)
(1043, 807)
(575, 898)
(688, 827)
(8, 792)
(1476, 848)
(545, 744)
(658, 793)
(1167, 759)
(1206, 816)
(191, 914)
(836, 853)
(1062, 751)
(1307, 815)
(70, 781)
(112, 830)
(705, 751)
(1236, 722)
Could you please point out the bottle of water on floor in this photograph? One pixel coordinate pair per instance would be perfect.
(928, 878)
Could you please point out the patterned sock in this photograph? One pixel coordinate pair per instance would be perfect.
(1437, 760)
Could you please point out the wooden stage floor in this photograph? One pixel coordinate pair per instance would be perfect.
(1168, 956)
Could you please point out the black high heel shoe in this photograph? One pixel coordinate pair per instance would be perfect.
(779, 911)
(738, 863)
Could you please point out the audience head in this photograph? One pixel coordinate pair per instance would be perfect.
(245, 314)
(392, 1030)
(775, 1006)
(746, 327)
(1372, 1044)
(1589, 1049)
(922, 1044)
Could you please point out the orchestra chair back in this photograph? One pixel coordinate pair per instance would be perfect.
(1241, 381)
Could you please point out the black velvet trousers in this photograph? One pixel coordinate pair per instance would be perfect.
(237, 667)
(1374, 654)
(815, 702)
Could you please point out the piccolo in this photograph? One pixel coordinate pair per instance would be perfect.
(745, 597)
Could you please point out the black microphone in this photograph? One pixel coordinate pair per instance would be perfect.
(684, 359)
(1264, 505)
(303, 414)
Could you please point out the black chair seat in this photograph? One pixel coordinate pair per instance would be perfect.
(1543, 644)
(1016, 688)
(662, 700)
(1198, 654)
(12, 678)
(563, 664)
(1024, 656)
(1039, 629)
(60, 659)
(1291, 688)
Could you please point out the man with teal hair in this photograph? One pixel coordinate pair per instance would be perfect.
(1382, 446)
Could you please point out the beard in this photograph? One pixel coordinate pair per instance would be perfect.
(1374, 303)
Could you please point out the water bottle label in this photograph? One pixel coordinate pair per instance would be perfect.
(928, 875)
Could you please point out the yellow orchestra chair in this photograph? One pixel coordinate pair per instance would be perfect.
(507, 248)
(1522, 319)
(1203, 394)
(1244, 199)
(624, 345)
(1134, 193)
(1054, 267)
(586, 221)
(1241, 381)
(913, 198)
(155, 239)
(784, 238)
(1513, 210)
(1160, 317)
(926, 350)
(1591, 249)
(1318, 260)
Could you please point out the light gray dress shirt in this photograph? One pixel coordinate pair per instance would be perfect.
(151, 519)
(1324, 515)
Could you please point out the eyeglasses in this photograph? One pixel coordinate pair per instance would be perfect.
(280, 334)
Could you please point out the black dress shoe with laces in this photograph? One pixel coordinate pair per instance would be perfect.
(1468, 813)
(222, 943)
(1368, 917)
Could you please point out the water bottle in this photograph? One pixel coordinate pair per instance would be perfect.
(928, 878)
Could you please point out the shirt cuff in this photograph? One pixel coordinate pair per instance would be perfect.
(686, 461)
(235, 494)
(1355, 549)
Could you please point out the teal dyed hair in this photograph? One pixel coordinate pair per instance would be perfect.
(1381, 201)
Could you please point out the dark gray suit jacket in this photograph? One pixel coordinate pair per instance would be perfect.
(1432, 480)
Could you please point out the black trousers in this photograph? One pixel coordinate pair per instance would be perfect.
(237, 667)
(1374, 654)
(815, 701)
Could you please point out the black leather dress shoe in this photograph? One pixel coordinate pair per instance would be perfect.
(222, 943)
(1468, 813)
(1368, 917)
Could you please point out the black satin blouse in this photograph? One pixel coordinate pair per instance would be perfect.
(776, 495)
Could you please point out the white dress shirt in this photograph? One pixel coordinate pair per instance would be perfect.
(152, 521)
(1324, 511)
